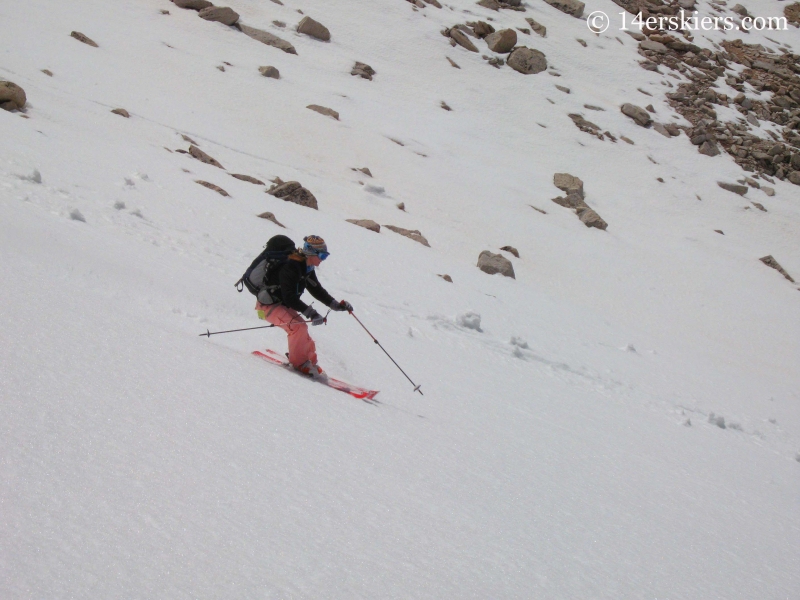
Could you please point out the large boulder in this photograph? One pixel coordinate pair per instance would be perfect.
(527, 61)
(12, 97)
(267, 38)
(491, 263)
(570, 7)
(193, 4)
(502, 41)
(637, 113)
(314, 28)
(220, 14)
(292, 191)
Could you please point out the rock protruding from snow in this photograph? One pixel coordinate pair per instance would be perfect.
(481, 28)
(732, 187)
(271, 217)
(590, 218)
(412, 234)
(193, 4)
(537, 27)
(212, 186)
(363, 70)
(267, 38)
(12, 96)
(270, 71)
(122, 112)
(771, 262)
(313, 28)
(366, 224)
(570, 7)
(502, 41)
(220, 14)
(84, 38)
(527, 61)
(510, 250)
(292, 191)
(247, 178)
(324, 110)
(462, 40)
(637, 113)
(491, 263)
(568, 183)
(447, 278)
(203, 157)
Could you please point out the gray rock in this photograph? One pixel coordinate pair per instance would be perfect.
(203, 157)
(271, 217)
(412, 234)
(491, 263)
(662, 130)
(247, 178)
(84, 38)
(481, 28)
(267, 38)
(527, 61)
(363, 70)
(637, 113)
(568, 183)
(292, 191)
(510, 250)
(732, 187)
(502, 41)
(740, 10)
(270, 72)
(313, 28)
(366, 224)
(449, 279)
(768, 190)
(121, 112)
(653, 46)
(193, 4)
(490, 4)
(12, 97)
(324, 110)
(709, 148)
(590, 218)
(462, 40)
(570, 7)
(771, 262)
(573, 200)
(213, 187)
(794, 177)
(219, 14)
(537, 27)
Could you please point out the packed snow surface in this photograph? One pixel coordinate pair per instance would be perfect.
(620, 421)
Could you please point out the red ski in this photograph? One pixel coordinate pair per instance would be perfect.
(357, 392)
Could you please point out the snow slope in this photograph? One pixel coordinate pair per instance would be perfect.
(138, 460)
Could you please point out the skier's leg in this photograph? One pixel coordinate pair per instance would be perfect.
(301, 346)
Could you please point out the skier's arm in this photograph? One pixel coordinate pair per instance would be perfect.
(315, 289)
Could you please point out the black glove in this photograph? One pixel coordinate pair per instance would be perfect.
(342, 305)
(314, 316)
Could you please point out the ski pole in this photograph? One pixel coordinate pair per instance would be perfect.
(416, 387)
(210, 333)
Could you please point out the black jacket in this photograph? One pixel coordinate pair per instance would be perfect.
(292, 279)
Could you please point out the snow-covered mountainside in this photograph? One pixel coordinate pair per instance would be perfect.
(621, 419)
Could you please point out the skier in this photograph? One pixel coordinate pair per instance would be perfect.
(287, 283)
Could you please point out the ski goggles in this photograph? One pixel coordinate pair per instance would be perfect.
(323, 255)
